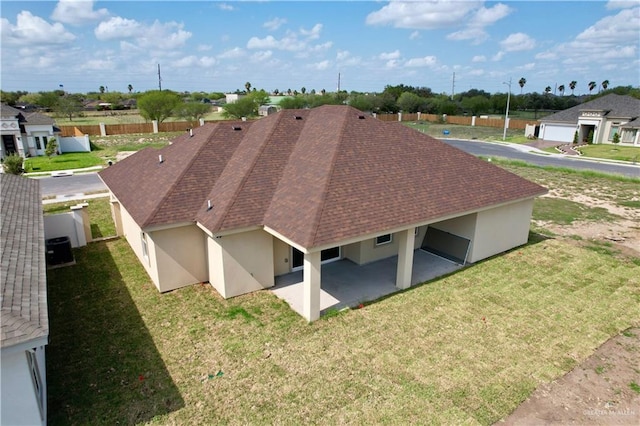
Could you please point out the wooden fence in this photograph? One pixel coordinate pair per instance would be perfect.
(179, 126)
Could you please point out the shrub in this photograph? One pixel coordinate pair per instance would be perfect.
(52, 147)
(616, 138)
(590, 137)
(575, 138)
(12, 164)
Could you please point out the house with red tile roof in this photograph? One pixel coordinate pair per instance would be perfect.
(236, 204)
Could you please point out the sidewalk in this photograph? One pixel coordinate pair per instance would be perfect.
(81, 197)
(71, 172)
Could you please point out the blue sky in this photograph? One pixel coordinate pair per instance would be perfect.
(219, 45)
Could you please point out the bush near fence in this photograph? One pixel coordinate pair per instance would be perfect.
(178, 126)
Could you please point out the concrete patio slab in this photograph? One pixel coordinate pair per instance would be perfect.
(345, 284)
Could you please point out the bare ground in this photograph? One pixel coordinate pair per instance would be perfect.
(605, 388)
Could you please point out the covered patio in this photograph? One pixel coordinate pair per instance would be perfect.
(344, 284)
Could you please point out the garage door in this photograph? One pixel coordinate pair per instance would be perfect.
(446, 244)
(560, 133)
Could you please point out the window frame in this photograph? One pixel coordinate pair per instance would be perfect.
(378, 242)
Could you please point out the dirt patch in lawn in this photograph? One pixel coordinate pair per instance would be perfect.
(603, 390)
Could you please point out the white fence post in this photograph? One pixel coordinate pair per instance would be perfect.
(103, 130)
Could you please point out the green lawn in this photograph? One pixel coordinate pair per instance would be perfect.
(68, 161)
(466, 348)
(118, 117)
(612, 152)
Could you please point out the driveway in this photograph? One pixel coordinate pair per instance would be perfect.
(345, 284)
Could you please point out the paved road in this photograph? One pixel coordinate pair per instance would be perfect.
(487, 149)
(90, 182)
(69, 185)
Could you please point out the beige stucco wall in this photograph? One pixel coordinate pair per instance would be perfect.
(132, 233)
(281, 257)
(241, 263)
(117, 217)
(180, 256)
(18, 398)
(367, 251)
(501, 229)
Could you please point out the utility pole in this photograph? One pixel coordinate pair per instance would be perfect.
(453, 85)
(159, 79)
(338, 82)
(506, 116)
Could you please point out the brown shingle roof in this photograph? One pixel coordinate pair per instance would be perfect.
(316, 176)
(23, 270)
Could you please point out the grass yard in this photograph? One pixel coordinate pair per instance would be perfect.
(612, 152)
(457, 131)
(466, 348)
(68, 161)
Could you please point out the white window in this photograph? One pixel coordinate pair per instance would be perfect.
(145, 248)
(37, 381)
(384, 239)
(614, 129)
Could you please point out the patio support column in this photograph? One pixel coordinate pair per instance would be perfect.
(406, 244)
(311, 284)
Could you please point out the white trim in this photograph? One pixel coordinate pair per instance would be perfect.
(377, 244)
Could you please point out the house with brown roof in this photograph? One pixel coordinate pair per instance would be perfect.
(237, 204)
(25, 133)
(25, 323)
(602, 117)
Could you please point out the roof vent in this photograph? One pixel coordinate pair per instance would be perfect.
(236, 127)
(361, 117)
(297, 117)
(160, 159)
(209, 205)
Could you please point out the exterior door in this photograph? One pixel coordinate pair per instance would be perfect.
(328, 255)
(9, 144)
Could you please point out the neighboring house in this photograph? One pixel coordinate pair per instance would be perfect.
(233, 97)
(25, 324)
(603, 116)
(25, 133)
(240, 203)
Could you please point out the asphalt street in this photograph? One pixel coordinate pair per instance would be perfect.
(84, 183)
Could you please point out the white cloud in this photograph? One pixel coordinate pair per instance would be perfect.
(389, 55)
(158, 35)
(313, 33)
(393, 63)
(498, 56)
(262, 56)
(342, 55)
(321, 66)
(274, 24)
(193, 61)
(517, 42)
(485, 17)
(479, 58)
(204, 47)
(117, 28)
(236, 52)
(30, 29)
(427, 61)
(527, 67)
(476, 72)
(612, 38)
(478, 35)
(98, 65)
(77, 12)
(621, 4)
(422, 15)
(291, 41)
(414, 35)
(225, 6)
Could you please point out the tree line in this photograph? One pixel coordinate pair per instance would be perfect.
(191, 106)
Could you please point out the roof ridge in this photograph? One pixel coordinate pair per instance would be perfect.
(323, 201)
(265, 139)
(178, 179)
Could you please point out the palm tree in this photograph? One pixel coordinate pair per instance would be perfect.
(561, 89)
(547, 90)
(247, 86)
(522, 82)
(323, 92)
(592, 85)
(275, 92)
(101, 89)
(605, 84)
(130, 88)
(303, 90)
(572, 86)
